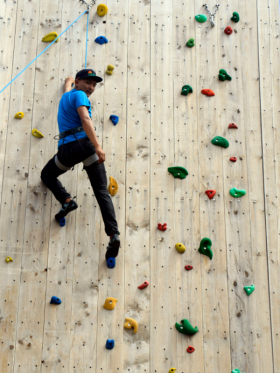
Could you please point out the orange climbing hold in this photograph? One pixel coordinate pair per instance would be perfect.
(208, 92)
(228, 30)
(210, 193)
(232, 125)
(233, 159)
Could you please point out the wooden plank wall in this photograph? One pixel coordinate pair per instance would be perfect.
(158, 128)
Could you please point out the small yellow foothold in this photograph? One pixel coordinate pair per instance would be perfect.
(102, 9)
(37, 133)
(9, 259)
(50, 37)
(110, 69)
(113, 187)
(110, 303)
(131, 323)
(19, 115)
(180, 248)
(172, 370)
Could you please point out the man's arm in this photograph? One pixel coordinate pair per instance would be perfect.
(68, 84)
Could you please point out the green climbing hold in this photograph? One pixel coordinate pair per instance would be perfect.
(236, 193)
(205, 247)
(220, 141)
(186, 327)
(235, 17)
(249, 289)
(178, 172)
(186, 89)
(201, 18)
(190, 43)
(223, 75)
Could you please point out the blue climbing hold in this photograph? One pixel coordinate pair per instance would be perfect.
(114, 119)
(111, 262)
(110, 344)
(55, 300)
(62, 222)
(101, 40)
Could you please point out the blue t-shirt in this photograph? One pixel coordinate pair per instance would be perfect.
(68, 116)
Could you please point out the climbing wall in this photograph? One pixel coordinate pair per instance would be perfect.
(158, 128)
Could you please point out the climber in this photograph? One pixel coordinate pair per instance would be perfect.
(78, 143)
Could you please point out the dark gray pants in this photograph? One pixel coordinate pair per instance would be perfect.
(68, 156)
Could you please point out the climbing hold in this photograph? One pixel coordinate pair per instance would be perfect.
(110, 69)
(19, 115)
(235, 18)
(208, 92)
(178, 172)
(186, 328)
(50, 37)
(249, 289)
(9, 259)
(180, 248)
(110, 343)
(205, 247)
(220, 141)
(188, 267)
(113, 186)
(201, 18)
(190, 43)
(236, 193)
(144, 285)
(131, 323)
(111, 262)
(62, 222)
(190, 349)
(37, 133)
(235, 371)
(223, 75)
(110, 303)
(55, 300)
(172, 370)
(162, 227)
(186, 89)
(232, 125)
(114, 119)
(233, 159)
(101, 40)
(228, 30)
(210, 193)
(102, 10)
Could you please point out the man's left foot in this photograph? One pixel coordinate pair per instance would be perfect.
(113, 246)
(65, 209)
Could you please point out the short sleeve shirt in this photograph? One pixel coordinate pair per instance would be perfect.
(68, 116)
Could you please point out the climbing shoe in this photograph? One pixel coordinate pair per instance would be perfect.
(113, 246)
(66, 208)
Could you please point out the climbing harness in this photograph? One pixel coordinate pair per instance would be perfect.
(212, 15)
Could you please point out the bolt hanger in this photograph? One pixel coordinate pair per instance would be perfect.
(212, 16)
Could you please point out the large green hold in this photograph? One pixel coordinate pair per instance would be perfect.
(236, 193)
(249, 289)
(235, 17)
(186, 327)
(186, 89)
(220, 141)
(205, 247)
(178, 172)
(223, 75)
(201, 18)
(190, 43)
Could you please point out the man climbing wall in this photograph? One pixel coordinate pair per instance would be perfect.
(78, 143)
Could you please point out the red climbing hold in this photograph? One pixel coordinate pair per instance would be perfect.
(232, 125)
(190, 349)
(162, 227)
(144, 285)
(208, 92)
(233, 159)
(210, 193)
(228, 30)
(188, 267)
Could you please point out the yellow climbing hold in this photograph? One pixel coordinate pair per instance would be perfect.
(113, 187)
(102, 10)
(172, 370)
(180, 248)
(131, 323)
(50, 37)
(19, 115)
(110, 69)
(9, 259)
(110, 303)
(37, 133)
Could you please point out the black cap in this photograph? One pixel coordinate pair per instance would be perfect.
(86, 73)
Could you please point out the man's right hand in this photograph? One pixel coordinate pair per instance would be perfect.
(101, 154)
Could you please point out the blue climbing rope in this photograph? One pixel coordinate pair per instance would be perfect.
(86, 11)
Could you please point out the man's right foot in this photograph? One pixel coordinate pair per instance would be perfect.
(65, 209)
(113, 246)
